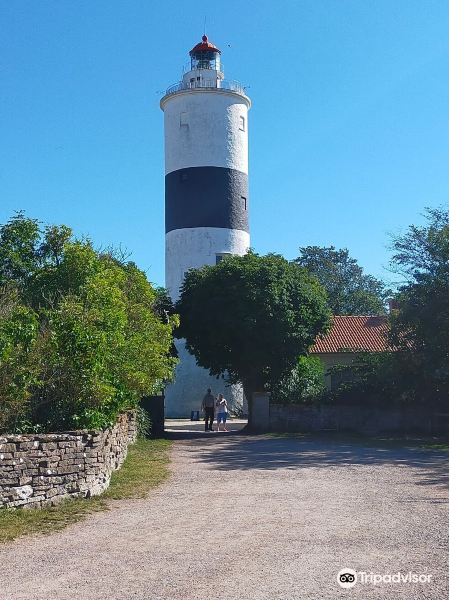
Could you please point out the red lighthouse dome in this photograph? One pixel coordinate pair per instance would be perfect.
(204, 46)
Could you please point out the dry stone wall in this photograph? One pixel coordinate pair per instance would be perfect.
(43, 469)
(361, 419)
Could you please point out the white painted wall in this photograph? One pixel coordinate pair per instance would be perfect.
(191, 384)
(211, 135)
(197, 246)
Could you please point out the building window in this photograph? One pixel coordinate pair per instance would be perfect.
(184, 119)
(244, 202)
(242, 123)
(221, 256)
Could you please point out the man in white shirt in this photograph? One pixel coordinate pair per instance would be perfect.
(221, 409)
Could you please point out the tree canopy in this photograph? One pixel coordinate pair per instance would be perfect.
(81, 338)
(418, 373)
(420, 326)
(250, 317)
(350, 291)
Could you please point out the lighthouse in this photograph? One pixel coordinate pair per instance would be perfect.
(206, 195)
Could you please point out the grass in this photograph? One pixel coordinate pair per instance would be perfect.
(146, 466)
(389, 440)
(439, 446)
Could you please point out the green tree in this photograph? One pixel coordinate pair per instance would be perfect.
(420, 326)
(108, 347)
(51, 250)
(250, 317)
(18, 358)
(80, 334)
(19, 239)
(163, 304)
(350, 291)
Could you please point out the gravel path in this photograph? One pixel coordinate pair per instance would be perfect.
(253, 518)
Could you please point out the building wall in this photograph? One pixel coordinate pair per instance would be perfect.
(202, 129)
(191, 383)
(43, 469)
(206, 197)
(194, 247)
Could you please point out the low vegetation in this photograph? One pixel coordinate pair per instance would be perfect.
(305, 383)
(146, 466)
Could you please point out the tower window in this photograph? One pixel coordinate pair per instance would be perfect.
(244, 202)
(184, 119)
(221, 256)
(242, 123)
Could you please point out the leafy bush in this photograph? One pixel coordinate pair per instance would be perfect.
(304, 384)
(376, 379)
(144, 424)
(18, 365)
(80, 335)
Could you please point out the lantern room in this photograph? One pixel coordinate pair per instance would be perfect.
(205, 56)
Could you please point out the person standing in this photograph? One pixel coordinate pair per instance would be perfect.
(221, 408)
(208, 405)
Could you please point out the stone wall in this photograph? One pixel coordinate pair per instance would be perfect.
(360, 419)
(43, 469)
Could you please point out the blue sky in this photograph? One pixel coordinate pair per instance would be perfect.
(349, 130)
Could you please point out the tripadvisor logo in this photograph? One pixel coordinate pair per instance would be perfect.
(347, 578)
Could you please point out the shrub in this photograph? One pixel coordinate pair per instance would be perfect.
(304, 384)
(18, 365)
(144, 424)
(80, 336)
(376, 379)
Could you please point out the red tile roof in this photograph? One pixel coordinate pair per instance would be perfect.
(352, 334)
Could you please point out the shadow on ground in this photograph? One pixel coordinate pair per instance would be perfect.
(240, 451)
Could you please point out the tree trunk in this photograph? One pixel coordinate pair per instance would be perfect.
(248, 391)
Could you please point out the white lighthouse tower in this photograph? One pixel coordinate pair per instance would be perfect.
(206, 195)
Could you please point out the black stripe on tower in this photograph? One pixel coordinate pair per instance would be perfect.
(206, 197)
